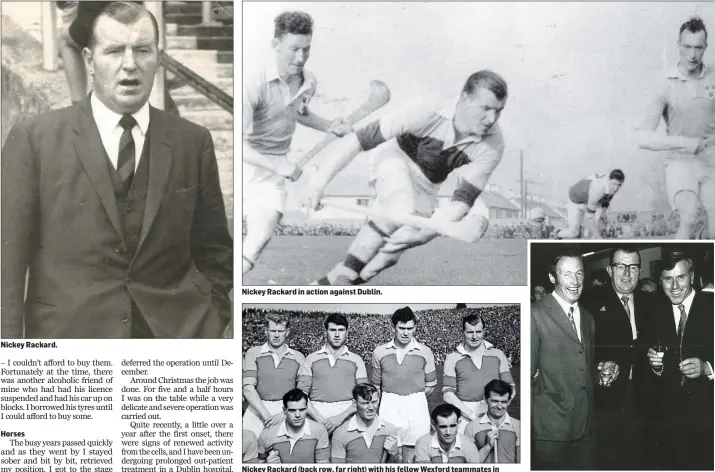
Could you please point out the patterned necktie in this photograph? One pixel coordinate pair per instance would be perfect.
(681, 328)
(126, 159)
(573, 323)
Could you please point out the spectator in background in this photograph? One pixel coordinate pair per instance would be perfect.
(539, 293)
(647, 285)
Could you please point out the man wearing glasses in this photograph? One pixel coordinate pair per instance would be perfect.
(621, 313)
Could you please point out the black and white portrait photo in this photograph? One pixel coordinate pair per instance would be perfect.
(117, 169)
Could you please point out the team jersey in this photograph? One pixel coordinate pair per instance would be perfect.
(509, 437)
(427, 449)
(425, 133)
(250, 447)
(467, 373)
(579, 193)
(327, 379)
(403, 376)
(350, 441)
(273, 110)
(308, 447)
(272, 379)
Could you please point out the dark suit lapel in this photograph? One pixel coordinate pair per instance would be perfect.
(562, 320)
(586, 334)
(91, 154)
(159, 165)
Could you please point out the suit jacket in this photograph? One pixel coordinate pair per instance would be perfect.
(695, 396)
(60, 220)
(562, 397)
(614, 342)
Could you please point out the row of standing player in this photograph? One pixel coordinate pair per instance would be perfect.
(403, 369)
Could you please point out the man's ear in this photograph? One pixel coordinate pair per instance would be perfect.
(87, 56)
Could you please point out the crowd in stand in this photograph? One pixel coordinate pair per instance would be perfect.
(439, 329)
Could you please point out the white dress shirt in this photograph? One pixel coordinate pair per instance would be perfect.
(110, 132)
(576, 311)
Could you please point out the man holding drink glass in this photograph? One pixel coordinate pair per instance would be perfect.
(681, 359)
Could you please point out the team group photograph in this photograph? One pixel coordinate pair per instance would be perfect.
(381, 383)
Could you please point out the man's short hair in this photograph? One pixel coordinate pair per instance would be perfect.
(473, 320)
(694, 25)
(497, 386)
(292, 22)
(624, 249)
(562, 255)
(403, 315)
(364, 391)
(277, 318)
(126, 13)
(617, 174)
(488, 80)
(337, 319)
(672, 259)
(445, 410)
(294, 395)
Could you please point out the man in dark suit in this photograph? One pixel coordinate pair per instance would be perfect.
(562, 372)
(114, 207)
(621, 314)
(683, 375)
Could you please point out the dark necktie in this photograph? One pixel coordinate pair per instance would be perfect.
(624, 299)
(126, 159)
(573, 323)
(681, 328)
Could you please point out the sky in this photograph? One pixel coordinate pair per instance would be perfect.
(578, 73)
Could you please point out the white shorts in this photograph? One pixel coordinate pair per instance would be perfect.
(410, 413)
(399, 183)
(478, 408)
(684, 172)
(328, 409)
(262, 189)
(253, 423)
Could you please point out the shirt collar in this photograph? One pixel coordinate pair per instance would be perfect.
(413, 344)
(479, 351)
(564, 304)
(283, 430)
(457, 443)
(674, 73)
(107, 120)
(272, 73)
(340, 352)
(447, 110)
(688, 302)
(267, 349)
(356, 424)
(486, 420)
